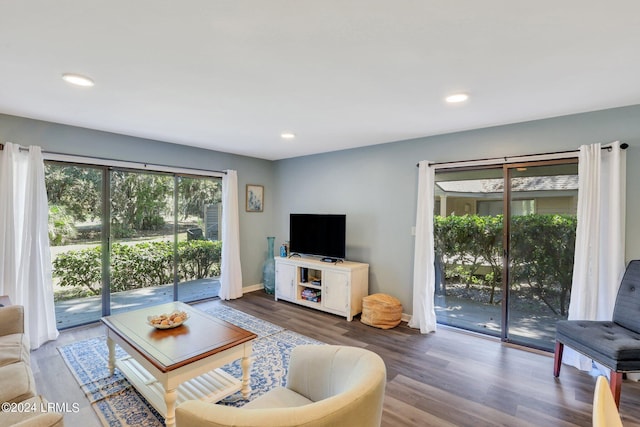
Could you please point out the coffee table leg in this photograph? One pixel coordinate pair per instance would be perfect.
(112, 355)
(170, 399)
(246, 372)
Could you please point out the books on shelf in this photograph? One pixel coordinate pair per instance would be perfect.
(313, 295)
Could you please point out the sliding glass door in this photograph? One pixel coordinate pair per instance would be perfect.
(123, 239)
(142, 226)
(199, 245)
(468, 243)
(504, 241)
(75, 196)
(543, 202)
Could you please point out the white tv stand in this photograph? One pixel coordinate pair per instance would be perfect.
(341, 286)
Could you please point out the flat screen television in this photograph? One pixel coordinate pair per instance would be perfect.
(318, 234)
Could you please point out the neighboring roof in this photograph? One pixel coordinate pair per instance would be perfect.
(520, 184)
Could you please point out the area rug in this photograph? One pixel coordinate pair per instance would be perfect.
(117, 403)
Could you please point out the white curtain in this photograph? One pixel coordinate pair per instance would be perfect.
(231, 275)
(600, 238)
(424, 315)
(25, 259)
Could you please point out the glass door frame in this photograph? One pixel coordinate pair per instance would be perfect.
(508, 168)
(499, 172)
(106, 167)
(106, 241)
(507, 172)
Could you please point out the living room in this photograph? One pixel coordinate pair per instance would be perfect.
(374, 185)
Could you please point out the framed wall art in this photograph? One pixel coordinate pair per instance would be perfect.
(255, 198)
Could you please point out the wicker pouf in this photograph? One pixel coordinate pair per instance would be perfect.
(381, 311)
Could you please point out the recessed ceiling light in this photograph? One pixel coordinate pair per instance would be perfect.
(457, 97)
(77, 79)
(287, 135)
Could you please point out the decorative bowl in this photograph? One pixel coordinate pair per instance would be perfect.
(168, 321)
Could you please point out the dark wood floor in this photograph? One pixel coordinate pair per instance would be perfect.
(447, 378)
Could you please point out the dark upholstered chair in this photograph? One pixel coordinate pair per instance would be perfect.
(614, 344)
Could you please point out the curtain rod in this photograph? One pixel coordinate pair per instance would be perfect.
(623, 146)
(23, 148)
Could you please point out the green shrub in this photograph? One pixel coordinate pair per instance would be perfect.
(541, 253)
(465, 244)
(137, 265)
(61, 226)
(199, 259)
(122, 231)
(80, 268)
(141, 265)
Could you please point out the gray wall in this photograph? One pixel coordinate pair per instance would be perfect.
(376, 186)
(254, 227)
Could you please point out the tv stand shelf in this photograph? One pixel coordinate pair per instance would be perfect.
(336, 288)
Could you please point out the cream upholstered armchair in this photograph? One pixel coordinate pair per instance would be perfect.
(326, 386)
(605, 411)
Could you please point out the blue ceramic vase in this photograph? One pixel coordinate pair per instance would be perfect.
(269, 269)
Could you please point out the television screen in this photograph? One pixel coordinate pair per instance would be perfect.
(317, 234)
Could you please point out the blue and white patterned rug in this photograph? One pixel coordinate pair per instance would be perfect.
(117, 403)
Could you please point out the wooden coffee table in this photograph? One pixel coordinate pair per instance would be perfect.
(169, 366)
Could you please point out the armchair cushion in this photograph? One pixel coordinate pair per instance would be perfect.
(279, 397)
(11, 320)
(14, 348)
(19, 381)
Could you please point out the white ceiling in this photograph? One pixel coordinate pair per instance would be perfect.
(232, 75)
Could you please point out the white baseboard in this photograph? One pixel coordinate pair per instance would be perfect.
(252, 288)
